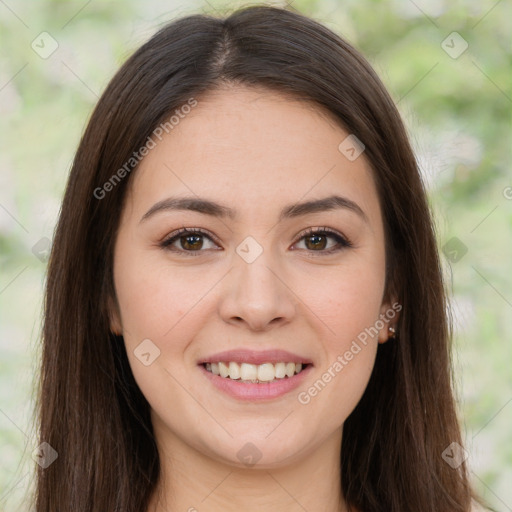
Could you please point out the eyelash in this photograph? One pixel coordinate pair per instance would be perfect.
(342, 242)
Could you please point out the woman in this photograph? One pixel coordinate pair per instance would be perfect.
(244, 305)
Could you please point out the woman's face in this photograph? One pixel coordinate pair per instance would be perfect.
(252, 281)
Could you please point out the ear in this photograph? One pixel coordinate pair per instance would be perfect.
(114, 317)
(388, 318)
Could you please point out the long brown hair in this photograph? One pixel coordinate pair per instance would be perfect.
(92, 412)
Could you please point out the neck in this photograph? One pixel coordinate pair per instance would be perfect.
(193, 482)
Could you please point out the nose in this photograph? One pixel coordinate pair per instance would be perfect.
(256, 294)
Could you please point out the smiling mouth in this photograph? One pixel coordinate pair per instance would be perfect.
(255, 373)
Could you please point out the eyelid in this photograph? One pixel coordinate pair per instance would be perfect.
(185, 230)
(342, 241)
(171, 238)
(314, 230)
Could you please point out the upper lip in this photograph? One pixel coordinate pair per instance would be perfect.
(255, 357)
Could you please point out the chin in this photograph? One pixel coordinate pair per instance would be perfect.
(261, 452)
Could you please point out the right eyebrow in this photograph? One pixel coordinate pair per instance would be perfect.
(207, 207)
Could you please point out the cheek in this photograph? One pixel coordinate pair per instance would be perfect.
(347, 298)
(153, 297)
(337, 389)
(168, 305)
(349, 308)
(156, 303)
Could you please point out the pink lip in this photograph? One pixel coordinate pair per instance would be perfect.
(256, 392)
(255, 357)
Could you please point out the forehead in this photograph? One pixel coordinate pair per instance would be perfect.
(255, 149)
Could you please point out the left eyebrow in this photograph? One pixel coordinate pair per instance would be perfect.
(207, 207)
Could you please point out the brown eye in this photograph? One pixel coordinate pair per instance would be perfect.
(192, 242)
(317, 240)
(187, 241)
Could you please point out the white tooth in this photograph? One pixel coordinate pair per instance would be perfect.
(266, 372)
(248, 371)
(208, 367)
(223, 369)
(290, 369)
(234, 370)
(298, 367)
(280, 370)
(215, 368)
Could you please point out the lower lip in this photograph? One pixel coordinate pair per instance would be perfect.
(256, 392)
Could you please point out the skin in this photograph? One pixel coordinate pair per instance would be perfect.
(255, 151)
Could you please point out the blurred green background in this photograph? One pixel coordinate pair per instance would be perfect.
(453, 91)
